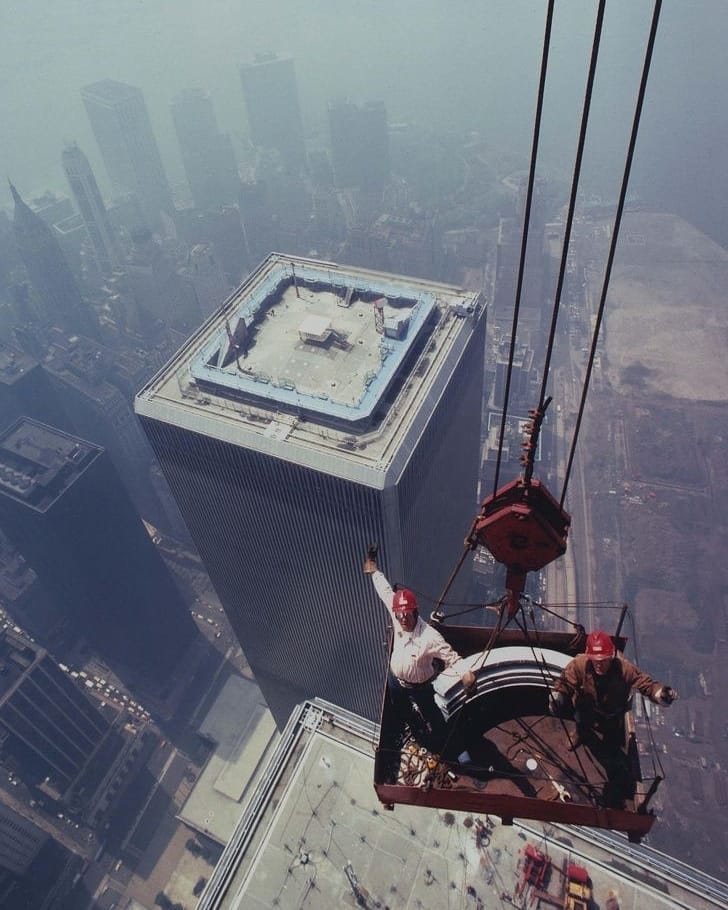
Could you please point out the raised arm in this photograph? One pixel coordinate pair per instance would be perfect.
(381, 585)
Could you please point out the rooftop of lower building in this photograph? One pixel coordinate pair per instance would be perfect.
(314, 834)
(38, 463)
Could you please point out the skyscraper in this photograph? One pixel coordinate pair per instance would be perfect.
(123, 131)
(207, 154)
(65, 510)
(49, 272)
(49, 726)
(323, 409)
(359, 144)
(98, 411)
(274, 115)
(25, 390)
(91, 206)
(20, 840)
(205, 274)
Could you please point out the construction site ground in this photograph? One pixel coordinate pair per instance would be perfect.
(654, 453)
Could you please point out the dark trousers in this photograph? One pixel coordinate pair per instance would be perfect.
(609, 727)
(417, 707)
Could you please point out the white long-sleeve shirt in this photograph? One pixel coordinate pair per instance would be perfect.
(413, 652)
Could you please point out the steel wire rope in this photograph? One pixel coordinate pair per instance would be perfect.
(615, 236)
(548, 754)
(454, 722)
(576, 176)
(524, 237)
(541, 664)
(543, 403)
(657, 765)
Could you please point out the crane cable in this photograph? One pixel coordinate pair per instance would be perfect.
(543, 403)
(615, 237)
(524, 237)
(564, 256)
(567, 232)
(576, 175)
(519, 286)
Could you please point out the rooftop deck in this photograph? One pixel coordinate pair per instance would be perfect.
(326, 365)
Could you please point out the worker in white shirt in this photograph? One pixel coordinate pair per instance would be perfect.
(416, 649)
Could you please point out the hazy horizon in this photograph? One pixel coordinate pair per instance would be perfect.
(440, 67)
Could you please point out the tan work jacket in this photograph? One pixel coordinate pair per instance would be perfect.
(579, 681)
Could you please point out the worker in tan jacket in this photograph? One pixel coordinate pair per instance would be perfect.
(595, 688)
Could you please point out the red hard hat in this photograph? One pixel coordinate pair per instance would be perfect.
(404, 601)
(600, 646)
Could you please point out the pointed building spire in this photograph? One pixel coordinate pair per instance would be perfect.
(49, 272)
(25, 218)
(16, 195)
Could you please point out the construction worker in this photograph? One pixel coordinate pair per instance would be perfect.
(416, 651)
(595, 689)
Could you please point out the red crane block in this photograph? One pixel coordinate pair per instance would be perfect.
(525, 529)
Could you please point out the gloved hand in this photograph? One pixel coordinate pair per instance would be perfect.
(558, 702)
(370, 563)
(666, 695)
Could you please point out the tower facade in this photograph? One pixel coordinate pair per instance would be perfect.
(49, 272)
(324, 408)
(91, 206)
(207, 154)
(123, 131)
(359, 144)
(274, 115)
(66, 511)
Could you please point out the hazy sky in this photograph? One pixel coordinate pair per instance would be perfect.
(455, 64)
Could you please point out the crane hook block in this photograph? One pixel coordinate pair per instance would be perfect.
(523, 526)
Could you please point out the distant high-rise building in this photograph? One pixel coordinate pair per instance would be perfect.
(47, 723)
(64, 508)
(359, 144)
(223, 230)
(25, 390)
(323, 409)
(91, 206)
(207, 154)
(97, 410)
(123, 131)
(274, 115)
(205, 274)
(52, 208)
(49, 273)
(20, 840)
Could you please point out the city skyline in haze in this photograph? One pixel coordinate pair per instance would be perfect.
(441, 68)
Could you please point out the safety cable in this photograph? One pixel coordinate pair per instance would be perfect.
(478, 665)
(541, 663)
(576, 175)
(654, 751)
(614, 239)
(524, 238)
(548, 754)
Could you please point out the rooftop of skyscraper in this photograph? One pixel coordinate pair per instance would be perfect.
(320, 358)
(110, 91)
(17, 654)
(38, 463)
(14, 364)
(263, 59)
(313, 834)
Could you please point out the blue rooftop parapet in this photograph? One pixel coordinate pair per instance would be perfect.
(392, 350)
